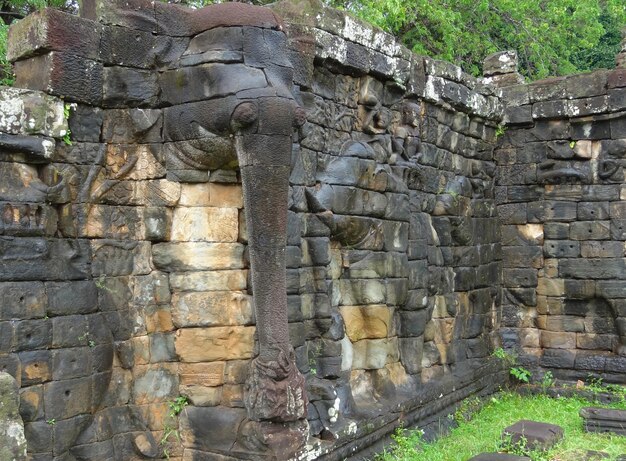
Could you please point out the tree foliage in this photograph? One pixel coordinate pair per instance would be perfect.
(552, 37)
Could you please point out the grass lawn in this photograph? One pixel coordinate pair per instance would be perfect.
(482, 432)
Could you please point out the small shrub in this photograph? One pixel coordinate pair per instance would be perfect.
(177, 405)
(547, 381)
(521, 448)
(467, 409)
(407, 444)
(510, 359)
(507, 357)
(521, 374)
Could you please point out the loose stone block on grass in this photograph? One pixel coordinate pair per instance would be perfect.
(536, 435)
(604, 420)
(498, 457)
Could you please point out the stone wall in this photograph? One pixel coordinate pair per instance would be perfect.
(561, 203)
(135, 242)
(130, 278)
(393, 196)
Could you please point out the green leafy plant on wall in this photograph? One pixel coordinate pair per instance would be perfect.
(170, 428)
(466, 410)
(547, 381)
(314, 353)
(67, 110)
(521, 374)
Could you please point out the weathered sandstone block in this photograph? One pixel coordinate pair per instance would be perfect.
(214, 344)
(211, 308)
(174, 257)
(233, 280)
(207, 224)
(375, 353)
(367, 322)
(12, 440)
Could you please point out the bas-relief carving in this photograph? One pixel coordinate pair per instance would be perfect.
(563, 172)
(247, 122)
(406, 142)
(30, 250)
(227, 122)
(591, 161)
(393, 133)
(227, 111)
(261, 121)
(391, 142)
(232, 108)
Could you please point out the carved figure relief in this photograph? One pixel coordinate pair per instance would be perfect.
(58, 323)
(406, 142)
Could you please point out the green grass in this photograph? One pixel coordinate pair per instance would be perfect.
(482, 433)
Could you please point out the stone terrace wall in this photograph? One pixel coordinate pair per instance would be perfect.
(393, 198)
(561, 200)
(124, 255)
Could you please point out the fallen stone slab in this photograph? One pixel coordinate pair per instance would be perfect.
(592, 455)
(535, 435)
(604, 420)
(498, 457)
